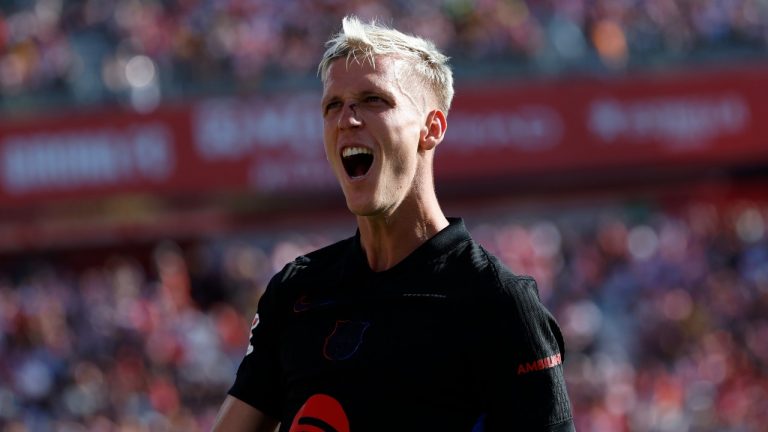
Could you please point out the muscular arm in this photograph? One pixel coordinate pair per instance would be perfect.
(237, 416)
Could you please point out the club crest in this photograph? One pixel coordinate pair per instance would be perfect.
(345, 339)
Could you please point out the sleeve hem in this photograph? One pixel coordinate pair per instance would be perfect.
(563, 426)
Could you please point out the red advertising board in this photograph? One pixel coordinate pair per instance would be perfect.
(713, 118)
(273, 145)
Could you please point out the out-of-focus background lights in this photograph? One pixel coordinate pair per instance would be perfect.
(160, 160)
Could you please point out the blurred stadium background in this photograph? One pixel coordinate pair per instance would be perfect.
(160, 159)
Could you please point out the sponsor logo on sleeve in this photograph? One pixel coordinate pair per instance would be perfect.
(540, 364)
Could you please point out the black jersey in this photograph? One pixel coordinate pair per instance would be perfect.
(444, 339)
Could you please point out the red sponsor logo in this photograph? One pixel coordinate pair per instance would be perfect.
(540, 364)
(320, 413)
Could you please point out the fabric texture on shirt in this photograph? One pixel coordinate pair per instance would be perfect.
(444, 338)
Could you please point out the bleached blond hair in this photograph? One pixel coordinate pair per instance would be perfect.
(358, 41)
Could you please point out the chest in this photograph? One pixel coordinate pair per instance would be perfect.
(413, 344)
(388, 352)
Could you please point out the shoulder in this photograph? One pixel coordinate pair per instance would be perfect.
(326, 260)
(493, 280)
(320, 268)
(502, 299)
(316, 268)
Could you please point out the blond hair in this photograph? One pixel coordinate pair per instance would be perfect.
(363, 41)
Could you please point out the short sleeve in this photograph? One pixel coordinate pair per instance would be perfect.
(522, 370)
(258, 381)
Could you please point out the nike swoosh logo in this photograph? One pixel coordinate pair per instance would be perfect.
(304, 304)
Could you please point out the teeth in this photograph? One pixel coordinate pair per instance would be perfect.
(351, 151)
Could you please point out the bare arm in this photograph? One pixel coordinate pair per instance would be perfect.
(237, 416)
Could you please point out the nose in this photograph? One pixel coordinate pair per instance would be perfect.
(349, 117)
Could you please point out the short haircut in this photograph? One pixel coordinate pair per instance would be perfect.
(358, 40)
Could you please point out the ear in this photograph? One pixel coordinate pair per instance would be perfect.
(434, 130)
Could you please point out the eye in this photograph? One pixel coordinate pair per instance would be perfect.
(373, 99)
(331, 106)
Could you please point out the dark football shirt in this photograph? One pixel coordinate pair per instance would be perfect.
(443, 339)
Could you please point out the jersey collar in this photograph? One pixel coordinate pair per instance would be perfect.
(439, 245)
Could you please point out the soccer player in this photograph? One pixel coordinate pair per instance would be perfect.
(409, 325)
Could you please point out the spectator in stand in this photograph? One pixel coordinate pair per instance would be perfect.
(664, 314)
(83, 51)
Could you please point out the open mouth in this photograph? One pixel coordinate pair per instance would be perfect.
(357, 161)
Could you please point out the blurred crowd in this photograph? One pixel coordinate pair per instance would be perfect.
(96, 51)
(664, 312)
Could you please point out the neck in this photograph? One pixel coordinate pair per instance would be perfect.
(388, 239)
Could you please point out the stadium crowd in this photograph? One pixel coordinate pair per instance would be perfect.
(664, 311)
(97, 51)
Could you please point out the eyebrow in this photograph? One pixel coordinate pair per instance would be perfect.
(359, 95)
(328, 99)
